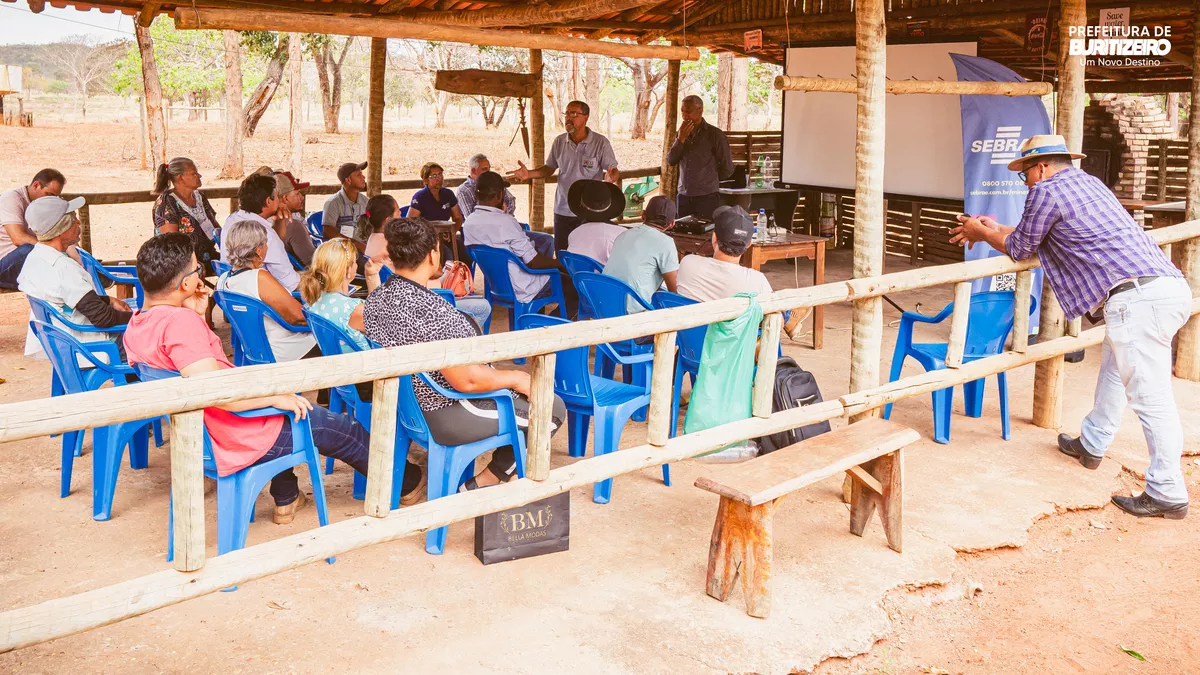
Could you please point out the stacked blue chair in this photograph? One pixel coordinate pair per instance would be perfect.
(576, 263)
(221, 268)
(989, 323)
(246, 315)
(315, 231)
(690, 344)
(237, 492)
(333, 340)
(93, 378)
(117, 274)
(450, 466)
(498, 288)
(586, 396)
(108, 442)
(609, 298)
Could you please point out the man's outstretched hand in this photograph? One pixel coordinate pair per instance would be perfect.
(521, 173)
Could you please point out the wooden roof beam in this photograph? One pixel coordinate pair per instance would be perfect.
(522, 14)
(187, 18)
(848, 85)
(37, 6)
(686, 21)
(147, 13)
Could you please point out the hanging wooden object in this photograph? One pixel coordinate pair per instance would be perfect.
(477, 82)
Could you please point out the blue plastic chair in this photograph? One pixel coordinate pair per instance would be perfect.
(108, 442)
(314, 224)
(117, 274)
(451, 466)
(221, 268)
(988, 325)
(690, 346)
(296, 264)
(610, 298)
(94, 378)
(576, 263)
(586, 396)
(237, 492)
(246, 315)
(496, 264)
(404, 211)
(333, 340)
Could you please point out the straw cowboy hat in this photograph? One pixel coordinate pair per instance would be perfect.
(1045, 144)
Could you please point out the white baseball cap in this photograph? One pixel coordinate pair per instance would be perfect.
(43, 214)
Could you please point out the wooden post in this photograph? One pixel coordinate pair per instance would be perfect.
(1187, 343)
(385, 398)
(295, 104)
(234, 162)
(958, 324)
(1048, 379)
(1020, 329)
(670, 174)
(915, 244)
(375, 117)
(85, 228)
(541, 410)
(141, 103)
(662, 383)
(187, 489)
(1162, 169)
(537, 144)
(768, 353)
(869, 214)
(152, 91)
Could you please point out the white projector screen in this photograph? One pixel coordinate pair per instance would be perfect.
(923, 146)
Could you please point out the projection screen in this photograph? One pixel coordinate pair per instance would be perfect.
(924, 154)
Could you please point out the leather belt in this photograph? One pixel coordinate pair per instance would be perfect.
(1130, 285)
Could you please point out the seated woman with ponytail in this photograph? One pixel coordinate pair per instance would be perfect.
(369, 228)
(325, 286)
(181, 207)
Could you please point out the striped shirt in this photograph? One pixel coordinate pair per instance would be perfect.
(1086, 241)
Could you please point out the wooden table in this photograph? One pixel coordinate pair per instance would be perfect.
(447, 231)
(774, 247)
(780, 201)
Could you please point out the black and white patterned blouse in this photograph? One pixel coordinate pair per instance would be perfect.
(401, 312)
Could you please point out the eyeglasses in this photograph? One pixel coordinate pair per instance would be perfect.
(434, 175)
(1024, 176)
(574, 113)
(199, 271)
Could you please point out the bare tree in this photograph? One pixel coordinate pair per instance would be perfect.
(275, 48)
(234, 166)
(430, 57)
(85, 62)
(329, 75)
(645, 94)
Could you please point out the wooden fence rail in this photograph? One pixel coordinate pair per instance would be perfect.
(181, 398)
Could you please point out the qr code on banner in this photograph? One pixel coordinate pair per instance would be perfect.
(1005, 282)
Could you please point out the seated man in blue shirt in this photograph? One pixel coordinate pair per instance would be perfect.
(645, 257)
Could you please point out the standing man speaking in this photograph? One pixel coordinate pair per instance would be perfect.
(578, 154)
(1096, 256)
(702, 153)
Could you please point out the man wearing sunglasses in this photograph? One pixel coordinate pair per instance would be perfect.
(578, 154)
(51, 275)
(1096, 257)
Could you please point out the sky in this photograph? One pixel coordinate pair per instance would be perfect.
(19, 25)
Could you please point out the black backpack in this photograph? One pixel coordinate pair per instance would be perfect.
(794, 387)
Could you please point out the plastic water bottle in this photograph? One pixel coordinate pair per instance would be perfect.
(760, 166)
(760, 225)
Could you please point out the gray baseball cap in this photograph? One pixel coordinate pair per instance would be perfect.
(660, 210)
(732, 226)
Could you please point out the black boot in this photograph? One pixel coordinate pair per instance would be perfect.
(1145, 506)
(1073, 447)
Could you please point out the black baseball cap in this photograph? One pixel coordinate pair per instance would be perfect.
(348, 168)
(660, 210)
(490, 182)
(732, 226)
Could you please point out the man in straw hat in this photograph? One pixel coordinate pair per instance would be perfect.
(51, 275)
(1095, 256)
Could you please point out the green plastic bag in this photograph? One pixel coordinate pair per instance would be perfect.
(725, 382)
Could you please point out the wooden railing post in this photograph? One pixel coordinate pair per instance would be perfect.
(85, 228)
(541, 413)
(662, 382)
(1020, 334)
(958, 324)
(768, 353)
(915, 244)
(384, 401)
(537, 144)
(1187, 344)
(187, 489)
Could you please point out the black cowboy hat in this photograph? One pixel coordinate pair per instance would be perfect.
(595, 201)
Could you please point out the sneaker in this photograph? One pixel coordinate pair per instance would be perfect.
(286, 514)
(414, 495)
(792, 327)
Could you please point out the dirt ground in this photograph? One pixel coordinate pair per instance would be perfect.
(1013, 561)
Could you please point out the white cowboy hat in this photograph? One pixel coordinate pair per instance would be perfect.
(1045, 144)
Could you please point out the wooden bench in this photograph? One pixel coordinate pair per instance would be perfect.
(869, 451)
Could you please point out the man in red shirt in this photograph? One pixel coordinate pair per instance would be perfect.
(169, 332)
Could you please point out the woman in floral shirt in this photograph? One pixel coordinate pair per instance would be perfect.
(183, 208)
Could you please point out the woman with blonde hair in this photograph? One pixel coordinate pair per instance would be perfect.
(325, 286)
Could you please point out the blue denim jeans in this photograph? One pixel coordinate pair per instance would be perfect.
(475, 306)
(543, 242)
(11, 264)
(336, 436)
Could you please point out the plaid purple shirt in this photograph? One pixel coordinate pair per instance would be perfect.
(1085, 239)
